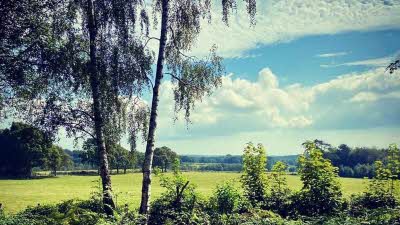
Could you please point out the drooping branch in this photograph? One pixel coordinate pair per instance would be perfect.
(393, 66)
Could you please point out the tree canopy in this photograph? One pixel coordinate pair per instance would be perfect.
(164, 157)
(22, 148)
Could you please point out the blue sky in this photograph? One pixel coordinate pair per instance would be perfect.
(298, 60)
(309, 69)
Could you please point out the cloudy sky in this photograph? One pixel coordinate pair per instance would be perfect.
(308, 69)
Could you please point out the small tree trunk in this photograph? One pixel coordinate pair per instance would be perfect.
(148, 158)
(29, 172)
(117, 169)
(108, 201)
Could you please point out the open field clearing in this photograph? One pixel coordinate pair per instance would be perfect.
(17, 194)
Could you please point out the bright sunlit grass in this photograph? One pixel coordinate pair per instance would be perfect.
(17, 194)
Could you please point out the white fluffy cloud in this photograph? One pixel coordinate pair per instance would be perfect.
(242, 105)
(372, 96)
(284, 20)
(262, 104)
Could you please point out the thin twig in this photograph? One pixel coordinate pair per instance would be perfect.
(150, 38)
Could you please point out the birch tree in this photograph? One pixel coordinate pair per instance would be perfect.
(70, 63)
(193, 78)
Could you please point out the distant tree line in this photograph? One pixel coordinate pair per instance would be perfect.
(229, 162)
(24, 148)
(211, 166)
(352, 161)
(211, 159)
(120, 158)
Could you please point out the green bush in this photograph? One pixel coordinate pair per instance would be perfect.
(68, 212)
(321, 193)
(381, 216)
(254, 180)
(180, 204)
(226, 198)
(359, 203)
(254, 217)
(278, 198)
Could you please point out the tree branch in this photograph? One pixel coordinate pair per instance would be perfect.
(177, 78)
(150, 38)
(83, 112)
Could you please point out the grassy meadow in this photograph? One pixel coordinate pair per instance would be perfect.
(15, 195)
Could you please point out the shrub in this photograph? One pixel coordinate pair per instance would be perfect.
(359, 203)
(18, 220)
(278, 197)
(226, 198)
(254, 178)
(321, 193)
(179, 204)
(68, 212)
(255, 217)
(387, 174)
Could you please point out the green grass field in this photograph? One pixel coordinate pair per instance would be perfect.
(15, 195)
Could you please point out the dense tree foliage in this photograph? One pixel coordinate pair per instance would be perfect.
(321, 192)
(118, 156)
(387, 174)
(164, 157)
(71, 64)
(226, 198)
(254, 179)
(230, 162)
(352, 162)
(278, 197)
(22, 148)
(57, 159)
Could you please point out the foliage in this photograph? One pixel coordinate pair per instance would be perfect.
(57, 158)
(180, 204)
(387, 174)
(226, 198)
(163, 158)
(393, 66)
(352, 162)
(359, 204)
(278, 197)
(393, 161)
(192, 78)
(71, 212)
(383, 190)
(254, 178)
(254, 217)
(22, 148)
(28, 192)
(229, 162)
(120, 158)
(77, 65)
(212, 167)
(321, 193)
